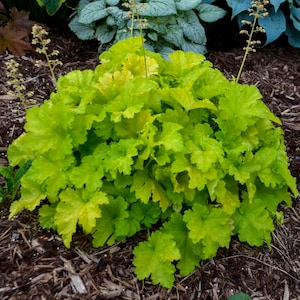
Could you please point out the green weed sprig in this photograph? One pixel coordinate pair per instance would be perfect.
(12, 181)
(39, 38)
(257, 10)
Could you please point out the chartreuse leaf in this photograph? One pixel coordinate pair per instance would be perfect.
(180, 62)
(112, 213)
(47, 214)
(127, 227)
(130, 128)
(154, 258)
(88, 174)
(31, 196)
(131, 100)
(142, 186)
(209, 225)
(225, 192)
(146, 213)
(189, 257)
(121, 154)
(118, 53)
(169, 137)
(141, 66)
(85, 208)
(73, 86)
(47, 129)
(146, 187)
(244, 108)
(253, 222)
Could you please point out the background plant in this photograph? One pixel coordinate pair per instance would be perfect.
(170, 24)
(44, 11)
(181, 149)
(12, 179)
(283, 18)
(15, 28)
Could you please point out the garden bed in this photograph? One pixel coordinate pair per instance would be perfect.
(34, 264)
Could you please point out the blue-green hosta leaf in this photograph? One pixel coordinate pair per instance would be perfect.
(210, 13)
(153, 36)
(187, 4)
(104, 34)
(277, 3)
(93, 11)
(295, 17)
(157, 8)
(174, 35)
(191, 27)
(112, 2)
(83, 31)
(238, 6)
(293, 36)
(188, 46)
(274, 24)
(119, 15)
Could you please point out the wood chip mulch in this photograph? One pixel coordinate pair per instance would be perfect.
(34, 264)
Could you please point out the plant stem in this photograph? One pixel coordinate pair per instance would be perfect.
(247, 49)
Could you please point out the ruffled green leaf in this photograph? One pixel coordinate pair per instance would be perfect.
(85, 207)
(154, 259)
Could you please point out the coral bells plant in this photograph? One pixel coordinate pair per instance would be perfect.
(169, 147)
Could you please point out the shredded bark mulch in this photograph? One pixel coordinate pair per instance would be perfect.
(34, 264)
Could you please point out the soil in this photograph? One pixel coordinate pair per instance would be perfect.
(34, 264)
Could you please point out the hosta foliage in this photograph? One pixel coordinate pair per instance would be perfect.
(172, 143)
(169, 24)
(284, 17)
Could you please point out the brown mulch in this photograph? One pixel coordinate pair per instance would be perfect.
(34, 264)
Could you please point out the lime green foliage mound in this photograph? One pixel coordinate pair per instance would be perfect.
(143, 141)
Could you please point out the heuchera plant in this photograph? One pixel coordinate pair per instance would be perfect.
(168, 145)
